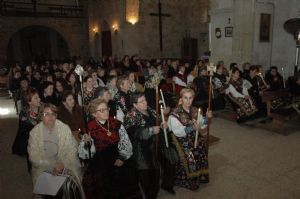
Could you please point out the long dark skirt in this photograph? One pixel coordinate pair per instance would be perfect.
(149, 181)
(19, 146)
(104, 180)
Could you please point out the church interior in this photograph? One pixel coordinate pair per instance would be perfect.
(237, 60)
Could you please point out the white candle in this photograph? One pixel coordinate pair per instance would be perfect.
(165, 131)
(197, 132)
(162, 98)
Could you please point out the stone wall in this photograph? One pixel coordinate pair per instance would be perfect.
(187, 18)
(221, 48)
(245, 45)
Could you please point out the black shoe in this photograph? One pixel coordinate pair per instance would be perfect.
(169, 190)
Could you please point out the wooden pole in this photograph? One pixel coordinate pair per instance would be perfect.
(157, 118)
(165, 130)
(210, 69)
(209, 108)
(197, 132)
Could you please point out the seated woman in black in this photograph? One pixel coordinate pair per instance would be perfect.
(149, 148)
(219, 86)
(274, 79)
(256, 89)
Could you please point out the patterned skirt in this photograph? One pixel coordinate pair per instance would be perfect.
(192, 170)
(242, 106)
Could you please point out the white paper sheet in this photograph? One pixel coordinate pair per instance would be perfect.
(48, 184)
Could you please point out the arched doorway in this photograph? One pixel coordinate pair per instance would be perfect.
(106, 40)
(36, 43)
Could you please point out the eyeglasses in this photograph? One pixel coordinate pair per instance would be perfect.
(103, 110)
(47, 114)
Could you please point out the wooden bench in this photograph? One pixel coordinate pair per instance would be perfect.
(281, 114)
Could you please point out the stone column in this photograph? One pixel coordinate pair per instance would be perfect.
(243, 31)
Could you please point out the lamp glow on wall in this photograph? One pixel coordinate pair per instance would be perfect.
(132, 11)
(115, 28)
(95, 29)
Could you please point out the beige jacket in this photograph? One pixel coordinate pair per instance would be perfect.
(67, 152)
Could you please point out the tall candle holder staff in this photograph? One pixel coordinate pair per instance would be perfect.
(79, 71)
(155, 80)
(211, 69)
(197, 132)
(162, 108)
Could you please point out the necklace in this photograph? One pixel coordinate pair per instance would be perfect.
(107, 130)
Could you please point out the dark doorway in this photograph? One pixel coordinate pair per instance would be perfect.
(106, 39)
(36, 43)
(106, 43)
(190, 48)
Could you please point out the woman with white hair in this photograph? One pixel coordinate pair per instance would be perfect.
(52, 148)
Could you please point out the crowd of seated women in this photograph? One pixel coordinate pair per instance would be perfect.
(116, 110)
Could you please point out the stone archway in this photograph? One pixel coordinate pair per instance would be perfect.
(36, 43)
(73, 31)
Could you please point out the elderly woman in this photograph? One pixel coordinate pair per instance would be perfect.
(143, 131)
(193, 166)
(52, 147)
(112, 174)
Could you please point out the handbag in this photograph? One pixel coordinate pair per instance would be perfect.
(86, 150)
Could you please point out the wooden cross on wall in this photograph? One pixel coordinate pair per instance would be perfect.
(160, 15)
